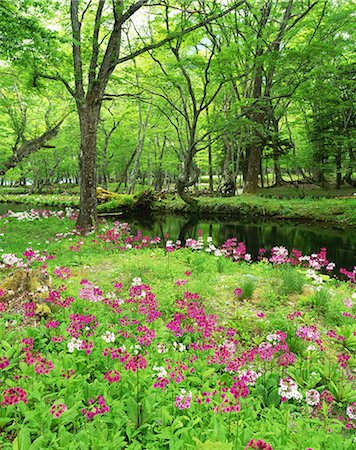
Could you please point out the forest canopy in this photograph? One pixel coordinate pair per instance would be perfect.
(176, 94)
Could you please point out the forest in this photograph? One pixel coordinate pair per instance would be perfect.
(177, 225)
(177, 96)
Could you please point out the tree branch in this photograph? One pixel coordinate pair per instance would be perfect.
(178, 34)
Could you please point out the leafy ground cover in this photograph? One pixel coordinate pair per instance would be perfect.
(114, 338)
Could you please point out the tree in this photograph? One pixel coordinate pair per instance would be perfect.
(104, 57)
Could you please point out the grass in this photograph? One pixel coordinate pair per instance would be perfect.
(340, 211)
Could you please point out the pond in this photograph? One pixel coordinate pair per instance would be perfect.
(309, 238)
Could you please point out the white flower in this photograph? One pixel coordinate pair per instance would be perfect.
(162, 373)
(311, 348)
(312, 397)
(161, 348)
(136, 281)
(74, 344)
(108, 337)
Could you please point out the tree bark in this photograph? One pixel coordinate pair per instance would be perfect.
(89, 119)
(29, 147)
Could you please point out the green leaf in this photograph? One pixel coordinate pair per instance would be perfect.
(24, 439)
(37, 444)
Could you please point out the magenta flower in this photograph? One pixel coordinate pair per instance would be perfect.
(96, 407)
(342, 359)
(238, 291)
(112, 376)
(183, 401)
(13, 396)
(62, 272)
(4, 362)
(258, 445)
(29, 309)
(58, 409)
(53, 324)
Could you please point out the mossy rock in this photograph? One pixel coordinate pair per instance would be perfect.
(23, 281)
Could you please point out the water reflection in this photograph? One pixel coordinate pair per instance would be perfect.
(309, 238)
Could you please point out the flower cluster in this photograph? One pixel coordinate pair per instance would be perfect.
(13, 396)
(57, 409)
(183, 400)
(96, 407)
(288, 389)
(258, 444)
(312, 397)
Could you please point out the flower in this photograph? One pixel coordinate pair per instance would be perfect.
(183, 401)
(288, 389)
(96, 407)
(348, 303)
(58, 409)
(112, 376)
(351, 411)
(259, 445)
(4, 362)
(312, 397)
(13, 396)
(108, 337)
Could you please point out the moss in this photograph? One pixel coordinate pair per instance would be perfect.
(119, 203)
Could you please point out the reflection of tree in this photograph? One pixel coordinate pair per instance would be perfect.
(309, 238)
(187, 229)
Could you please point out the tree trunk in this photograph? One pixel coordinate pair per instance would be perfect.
(338, 167)
(89, 118)
(253, 169)
(277, 169)
(350, 169)
(210, 159)
(187, 178)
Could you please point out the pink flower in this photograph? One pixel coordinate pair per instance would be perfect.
(96, 407)
(62, 272)
(13, 396)
(342, 359)
(348, 303)
(238, 291)
(58, 409)
(183, 401)
(4, 362)
(312, 397)
(53, 324)
(351, 411)
(112, 376)
(287, 359)
(29, 309)
(258, 445)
